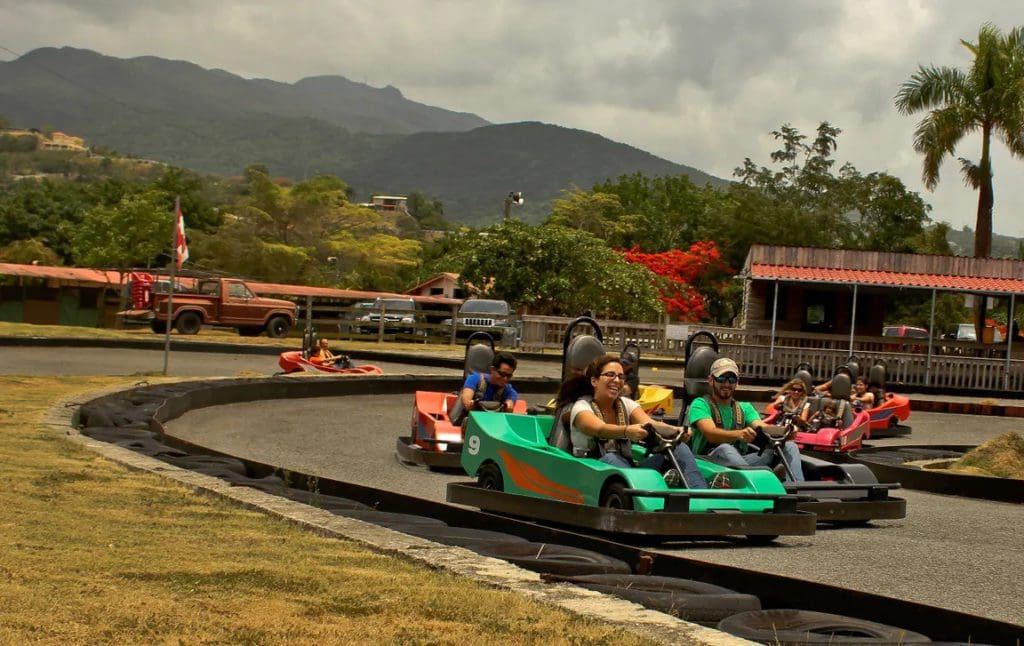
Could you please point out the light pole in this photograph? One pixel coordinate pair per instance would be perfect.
(515, 197)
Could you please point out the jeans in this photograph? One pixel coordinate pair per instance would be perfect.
(729, 455)
(660, 462)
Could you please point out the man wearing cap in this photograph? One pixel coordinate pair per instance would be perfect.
(723, 428)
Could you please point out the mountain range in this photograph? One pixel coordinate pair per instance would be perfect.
(374, 138)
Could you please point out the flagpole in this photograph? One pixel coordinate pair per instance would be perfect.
(170, 289)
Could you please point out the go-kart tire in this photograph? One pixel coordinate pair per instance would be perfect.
(188, 323)
(208, 463)
(489, 477)
(114, 434)
(150, 447)
(390, 519)
(761, 539)
(473, 539)
(684, 598)
(615, 497)
(809, 628)
(555, 559)
(278, 327)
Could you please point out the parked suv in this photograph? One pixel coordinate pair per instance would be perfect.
(485, 315)
(400, 316)
(906, 332)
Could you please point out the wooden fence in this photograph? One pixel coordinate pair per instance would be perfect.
(957, 365)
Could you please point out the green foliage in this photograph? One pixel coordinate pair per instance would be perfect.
(913, 307)
(987, 97)
(18, 144)
(552, 269)
(27, 252)
(131, 233)
(428, 211)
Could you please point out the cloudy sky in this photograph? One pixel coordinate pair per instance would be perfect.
(700, 82)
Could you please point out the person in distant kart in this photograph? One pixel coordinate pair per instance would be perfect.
(724, 428)
(493, 386)
(325, 357)
(827, 417)
(861, 396)
(825, 389)
(603, 424)
(631, 388)
(792, 401)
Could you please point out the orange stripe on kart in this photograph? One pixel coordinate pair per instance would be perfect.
(529, 478)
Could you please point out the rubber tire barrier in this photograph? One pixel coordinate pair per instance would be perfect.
(114, 434)
(807, 628)
(555, 559)
(205, 463)
(150, 447)
(684, 598)
(389, 519)
(473, 539)
(326, 502)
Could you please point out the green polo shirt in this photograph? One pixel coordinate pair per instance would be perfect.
(699, 409)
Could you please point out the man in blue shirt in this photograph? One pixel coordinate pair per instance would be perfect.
(493, 386)
(723, 428)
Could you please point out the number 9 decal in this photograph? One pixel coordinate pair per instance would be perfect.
(473, 445)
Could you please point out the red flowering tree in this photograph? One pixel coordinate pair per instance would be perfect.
(686, 279)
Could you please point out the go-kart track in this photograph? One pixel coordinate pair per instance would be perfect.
(955, 553)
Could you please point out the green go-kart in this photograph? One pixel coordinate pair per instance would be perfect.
(520, 472)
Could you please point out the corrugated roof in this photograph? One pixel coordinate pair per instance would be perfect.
(827, 275)
(112, 278)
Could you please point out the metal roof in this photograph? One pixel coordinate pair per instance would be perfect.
(112, 278)
(829, 275)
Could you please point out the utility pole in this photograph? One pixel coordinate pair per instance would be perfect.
(515, 197)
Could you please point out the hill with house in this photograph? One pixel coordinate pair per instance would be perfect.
(374, 138)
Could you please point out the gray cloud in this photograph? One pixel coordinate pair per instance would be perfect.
(698, 82)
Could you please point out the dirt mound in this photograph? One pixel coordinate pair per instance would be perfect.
(1000, 457)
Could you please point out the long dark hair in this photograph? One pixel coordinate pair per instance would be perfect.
(579, 386)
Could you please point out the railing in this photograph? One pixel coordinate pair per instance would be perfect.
(959, 365)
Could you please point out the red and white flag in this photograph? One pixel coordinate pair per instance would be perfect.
(180, 244)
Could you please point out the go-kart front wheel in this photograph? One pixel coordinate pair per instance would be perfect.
(615, 497)
(489, 477)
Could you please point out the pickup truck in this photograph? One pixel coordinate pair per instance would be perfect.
(222, 301)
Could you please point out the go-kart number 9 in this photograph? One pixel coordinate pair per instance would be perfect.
(473, 445)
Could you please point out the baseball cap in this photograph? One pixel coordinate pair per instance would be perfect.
(724, 366)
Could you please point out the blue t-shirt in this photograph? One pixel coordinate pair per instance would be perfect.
(490, 392)
(699, 410)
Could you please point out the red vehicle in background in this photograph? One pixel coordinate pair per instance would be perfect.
(906, 332)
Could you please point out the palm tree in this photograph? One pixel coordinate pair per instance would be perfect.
(986, 97)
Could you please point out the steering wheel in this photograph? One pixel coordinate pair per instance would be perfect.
(490, 406)
(657, 443)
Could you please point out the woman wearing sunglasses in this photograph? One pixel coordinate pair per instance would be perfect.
(792, 401)
(724, 429)
(603, 424)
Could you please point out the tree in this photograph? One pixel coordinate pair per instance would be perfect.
(134, 232)
(551, 269)
(687, 278)
(988, 97)
(28, 252)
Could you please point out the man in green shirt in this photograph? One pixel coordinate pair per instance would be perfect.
(723, 428)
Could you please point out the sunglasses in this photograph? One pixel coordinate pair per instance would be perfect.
(506, 375)
(727, 379)
(613, 375)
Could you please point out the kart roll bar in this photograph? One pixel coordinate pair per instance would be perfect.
(567, 337)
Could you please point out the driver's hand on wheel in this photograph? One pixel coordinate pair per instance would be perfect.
(748, 434)
(636, 432)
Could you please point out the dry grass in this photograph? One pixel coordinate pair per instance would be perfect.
(93, 553)
(1000, 457)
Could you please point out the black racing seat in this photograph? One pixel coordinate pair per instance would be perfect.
(478, 359)
(695, 378)
(560, 436)
(876, 382)
(841, 389)
(583, 349)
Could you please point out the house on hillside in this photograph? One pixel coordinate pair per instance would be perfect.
(388, 204)
(51, 141)
(445, 284)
